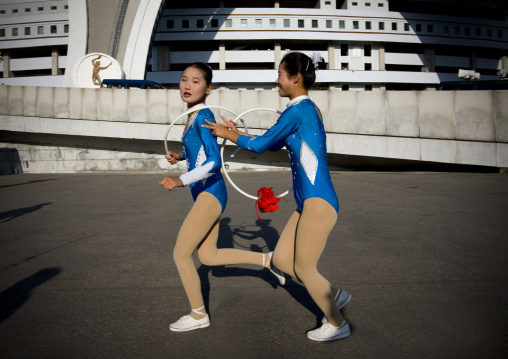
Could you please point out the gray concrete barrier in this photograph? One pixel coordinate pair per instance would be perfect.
(456, 127)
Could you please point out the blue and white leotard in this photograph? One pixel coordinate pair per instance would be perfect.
(201, 151)
(300, 128)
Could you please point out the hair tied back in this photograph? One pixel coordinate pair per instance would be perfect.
(316, 59)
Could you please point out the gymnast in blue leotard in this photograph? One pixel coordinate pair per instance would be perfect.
(200, 230)
(300, 129)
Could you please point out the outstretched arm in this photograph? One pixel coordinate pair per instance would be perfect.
(227, 131)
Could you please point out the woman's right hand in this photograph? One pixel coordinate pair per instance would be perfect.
(173, 157)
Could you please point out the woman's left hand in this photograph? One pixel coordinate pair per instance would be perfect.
(217, 130)
(171, 182)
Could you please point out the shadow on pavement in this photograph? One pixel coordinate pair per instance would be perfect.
(269, 236)
(14, 297)
(15, 213)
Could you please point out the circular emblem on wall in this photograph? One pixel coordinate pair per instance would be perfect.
(91, 69)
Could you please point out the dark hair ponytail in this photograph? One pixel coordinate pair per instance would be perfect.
(205, 69)
(296, 62)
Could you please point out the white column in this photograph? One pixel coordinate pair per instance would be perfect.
(278, 54)
(54, 62)
(7, 64)
(222, 56)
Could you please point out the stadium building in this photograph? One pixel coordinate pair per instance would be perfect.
(365, 44)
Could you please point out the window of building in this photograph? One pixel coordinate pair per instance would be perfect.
(345, 87)
(430, 28)
(368, 87)
(368, 67)
(301, 23)
(328, 2)
(356, 25)
(40, 8)
(446, 29)
(229, 22)
(478, 32)
(406, 26)
(40, 30)
(27, 31)
(418, 27)
(368, 25)
(273, 23)
(343, 66)
(342, 24)
(394, 26)
(15, 31)
(367, 50)
(14, 11)
(215, 22)
(367, 4)
(28, 9)
(467, 31)
(379, 4)
(185, 24)
(456, 30)
(170, 24)
(243, 23)
(381, 26)
(354, 3)
(66, 7)
(200, 23)
(286, 22)
(344, 50)
(66, 28)
(2, 11)
(53, 29)
(53, 8)
(2, 32)
(314, 23)
(258, 22)
(500, 34)
(328, 24)
(489, 32)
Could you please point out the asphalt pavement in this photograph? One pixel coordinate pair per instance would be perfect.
(86, 269)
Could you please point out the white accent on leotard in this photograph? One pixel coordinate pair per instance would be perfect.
(309, 161)
(200, 173)
(297, 99)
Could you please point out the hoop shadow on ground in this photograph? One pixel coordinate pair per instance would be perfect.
(14, 297)
(265, 234)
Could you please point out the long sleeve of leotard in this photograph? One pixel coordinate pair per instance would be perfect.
(273, 139)
(212, 163)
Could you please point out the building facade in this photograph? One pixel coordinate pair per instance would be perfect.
(365, 44)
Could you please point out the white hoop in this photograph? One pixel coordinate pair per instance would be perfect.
(222, 154)
(197, 109)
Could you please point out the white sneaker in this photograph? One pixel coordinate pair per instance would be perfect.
(328, 332)
(276, 272)
(186, 323)
(342, 298)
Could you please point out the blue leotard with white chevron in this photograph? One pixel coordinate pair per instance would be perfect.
(201, 151)
(300, 129)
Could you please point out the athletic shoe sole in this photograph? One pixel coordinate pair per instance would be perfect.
(191, 328)
(340, 336)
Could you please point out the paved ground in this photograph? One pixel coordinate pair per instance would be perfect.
(86, 270)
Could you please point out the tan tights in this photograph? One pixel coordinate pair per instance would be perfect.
(200, 230)
(300, 245)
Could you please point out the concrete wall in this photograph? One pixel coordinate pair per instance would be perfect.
(459, 127)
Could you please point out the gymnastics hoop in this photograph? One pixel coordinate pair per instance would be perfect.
(222, 155)
(197, 109)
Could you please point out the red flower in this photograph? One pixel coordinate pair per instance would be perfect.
(266, 202)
